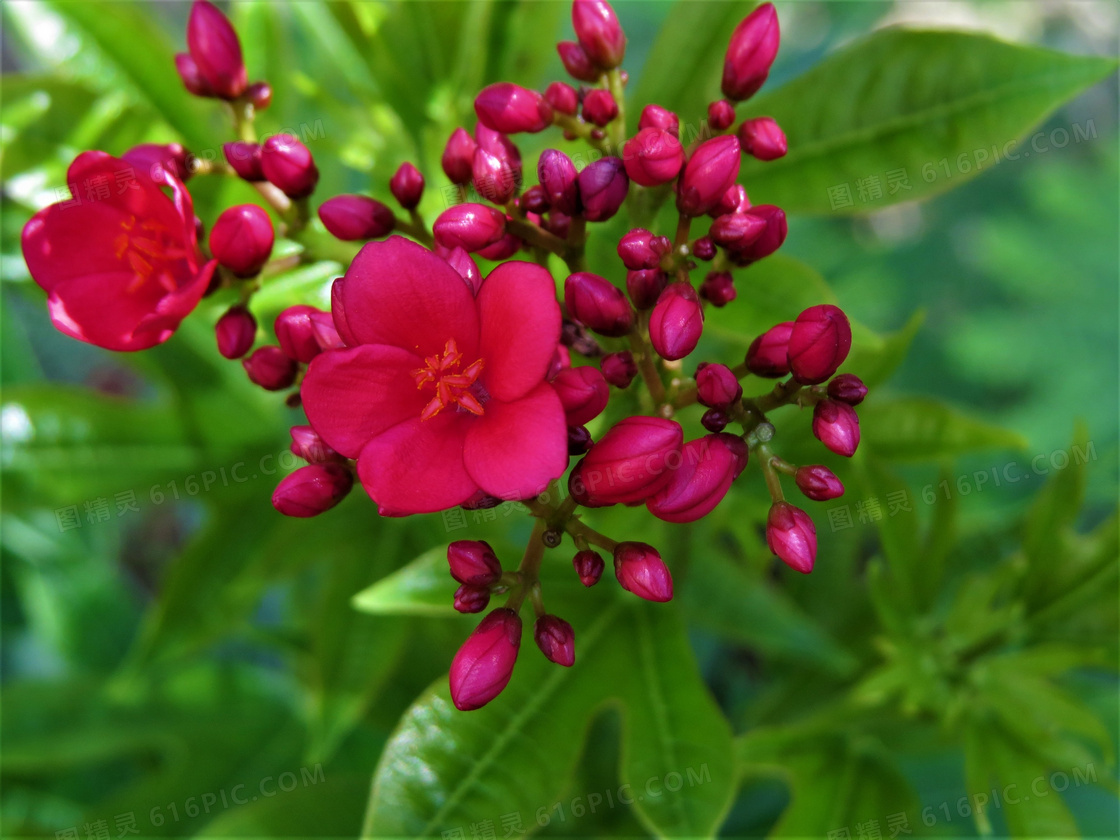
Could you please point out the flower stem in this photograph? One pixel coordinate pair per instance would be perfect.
(529, 569)
(618, 124)
(643, 356)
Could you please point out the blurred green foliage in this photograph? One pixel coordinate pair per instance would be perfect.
(206, 667)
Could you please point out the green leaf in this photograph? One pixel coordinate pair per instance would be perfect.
(423, 587)
(930, 104)
(919, 429)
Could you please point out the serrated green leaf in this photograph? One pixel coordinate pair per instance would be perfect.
(919, 429)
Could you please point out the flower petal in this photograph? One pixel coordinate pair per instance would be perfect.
(62, 242)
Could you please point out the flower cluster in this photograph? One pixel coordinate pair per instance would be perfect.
(436, 385)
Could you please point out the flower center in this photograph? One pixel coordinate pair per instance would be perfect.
(452, 383)
(147, 248)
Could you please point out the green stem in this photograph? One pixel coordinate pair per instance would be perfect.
(766, 460)
(583, 131)
(580, 531)
(643, 356)
(530, 566)
(618, 125)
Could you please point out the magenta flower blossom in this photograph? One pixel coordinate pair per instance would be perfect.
(120, 263)
(442, 394)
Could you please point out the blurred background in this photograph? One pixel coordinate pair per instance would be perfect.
(178, 642)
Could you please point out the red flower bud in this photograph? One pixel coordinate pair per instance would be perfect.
(646, 286)
(471, 599)
(847, 388)
(597, 304)
(708, 467)
(353, 218)
(734, 200)
(718, 289)
(407, 186)
(461, 261)
(769, 240)
(494, 176)
(245, 158)
(216, 51)
(304, 332)
(191, 76)
(589, 566)
(558, 223)
(534, 201)
(307, 444)
(599, 32)
(630, 463)
(792, 536)
(236, 331)
(260, 94)
(716, 386)
(715, 420)
(819, 343)
(818, 483)
(458, 155)
(768, 355)
(583, 392)
(504, 248)
(762, 138)
(271, 368)
(241, 239)
(737, 230)
(288, 165)
(713, 168)
(754, 43)
(563, 98)
(619, 368)
(579, 440)
(602, 188)
(482, 667)
(640, 249)
(704, 248)
(676, 322)
(577, 62)
(473, 562)
(599, 107)
(721, 114)
(836, 425)
(558, 177)
(152, 157)
(510, 109)
(469, 226)
(640, 569)
(556, 639)
(313, 489)
(653, 157)
(654, 116)
(561, 360)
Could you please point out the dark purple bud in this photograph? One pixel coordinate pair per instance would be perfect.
(288, 164)
(504, 248)
(471, 599)
(558, 177)
(307, 444)
(470, 226)
(304, 332)
(762, 138)
(602, 188)
(735, 200)
(754, 43)
(511, 109)
(236, 331)
(818, 483)
(192, 77)
(407, 186)
(535, 200)
(716, 386)
(847, 388)
(640, 569)
(473, 562)
(589, 566)
(151, 158)
(721, 114)
(619, 369)
(653, 157)
(461, 261)
(216, 51)
(640, 249)
(245, 158)
(494, 176)
(599, 32)
(458, 156)
(583, 392)
(707, 469)
(579, 339)
(792, 536)
(630, 463)
(579, 440)
(353, 218)
(646, 286)
(241, 239)
(597, 304)
(704, 248)
(654, 116)
(676, 322)
(313, 489)
(713, 168)
(556, 639)
(768, 355)
(563, 98)
(718, 289)
(836, 425)
(482, 667)
(771, 238)
(260, 94)
(737, 230)
(819, 343)
(715, 420)
(599, 107)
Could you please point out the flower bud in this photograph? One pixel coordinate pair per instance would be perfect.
(563, 98)
(602, 188)
(754, 43)
(768, 355)
(653, 157)
(583, 392)
(579, 339)
(482, 667)
(818, 483)
(640, 569)
(640, 249)
(769, 240)
(597, 304)
(715, 420)
(471, 599)
(241, 239)
(721, 114)
(819, 343)
(716, 386)
(577, 62)
(558, 177)
(558, 223)
(288, 165)
(708, 467)
(236, 331)
(792, 536)
(561, 360)
(589, 566)
(676, 322)
(619, 368)
(260, 95)
(191, 76)
(836, 425)
(847, 388)
(646, 286)
(353, 218)
(498, 144)
(458, 156)
(734, 200)
(503, 249)
(579, 440)
(737, 230)
(494, 176)
(304, 332)
(599, 107)
(556, 639)
(713, 168)
(473, 562)
(510, 109)
(469, 226)
(704, 248)
(245, 159)
(307, 444)
(534, 201)
(313, 489)
(762, 138)
(461, 261)
(630, 463)
(271, 368)
(654, 116)
(407, 186)
(599, 32)
(216, 51)
(718, 289)
(152, 157)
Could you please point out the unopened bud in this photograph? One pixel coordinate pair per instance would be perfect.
(353, 218)
(307, 444)
(236, 331)
(304, 332)
(271, 368)
(791, 535)
(288, 165)
(313, 489)
(639, 249)
(579, 440)
(718, 289)
(653, 157)
(473, 562)
(716, 386)
(847, 388)
(836, 425)
(484, 664)
(762, 138)
(646, 286)
(715, 420)
(599, 107)
(818, 483)
(260, 95)
(768, 355)
(713, 168)
(819, 343)
(769, 240)
(721, 114)
(511, 109)
(595, 302)
(676, 322)
(556, 639)
(708, 468)
(563, 98)
(557, 175)
(752, 49)
(458, 156)
(471, 599)
(241, 239)
(152, 157)
(599, 32)
(630, 463)
(619, 368)
(640, 569)
(589, 566)
(469, 226)
(216, 51)
(654, 116)
(577, 62)
(407, 186)
(245, 159)
(583, 392)
(602, 188)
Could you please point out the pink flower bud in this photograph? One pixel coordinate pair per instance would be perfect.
(510, 109)
(640, 569)
(818, 483)
(847, 388)
(597, 304)
(241, 239)
(494, 176)
(619, 368)
(676, 322)
(407, 186)
(304, 332)
(630, 463)
(558, 223)
(602, 188)
(704, 248)
(469, 226)
(482, 667)
(271, 368)
(769, 240)
(471, 599)
(245, 158)
(353, 218)
(792, 536)
(819, 343)
(646, 286)
(558, 177)
(768, 355)
(640, 249)
(718, 289)
(556, 639)
(534, 201)
(288, 165)
(754, 43)
(307, 444)
(579, 440)
(503, 249)
(713, 168)
(599, 107)
(737, 230)
(313, 489)
(654, 116)
(653, 157)
(721, 114)
(461, 261)
(260, 94)
(583, 392)
(589, 566)
(716, 386)
(563, 98)
(836, 425)
(762, 138)
(561, 360)
(599, 32)
(498, 144)
(191, 76)
(715, 420)
(708, 467)
(458, 155)
(150, 158)
(577, 62)
(216, 51)
(734, 200)
(236, 331)
(473, 562)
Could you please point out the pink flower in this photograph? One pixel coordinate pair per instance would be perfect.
(484, 664)
(121, 266)
(441, 394)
